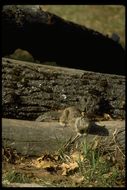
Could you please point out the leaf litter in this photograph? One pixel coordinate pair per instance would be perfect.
(76, 169)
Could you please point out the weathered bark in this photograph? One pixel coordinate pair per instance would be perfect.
(48, 37)
(29, 90)
(35, 138)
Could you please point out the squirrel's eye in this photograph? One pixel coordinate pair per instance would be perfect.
(82, 131)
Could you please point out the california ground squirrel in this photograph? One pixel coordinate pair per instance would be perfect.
(69, 116)
(73, 117)
(82, 125)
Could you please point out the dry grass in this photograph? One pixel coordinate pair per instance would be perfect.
(107, 19)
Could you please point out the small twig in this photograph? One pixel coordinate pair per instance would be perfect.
(71, 141)
(114, 135)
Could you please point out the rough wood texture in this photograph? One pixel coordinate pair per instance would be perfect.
(50, 38)
(35, 138)
(29, 90)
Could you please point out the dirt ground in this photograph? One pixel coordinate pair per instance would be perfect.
(76, 169)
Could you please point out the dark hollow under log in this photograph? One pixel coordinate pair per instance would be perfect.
(30, 90)
(50, 38)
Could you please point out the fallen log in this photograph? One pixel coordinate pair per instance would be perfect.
(34, 138)
(48, 37)
(30, 90)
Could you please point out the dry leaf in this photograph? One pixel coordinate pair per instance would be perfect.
(43, 164)
(64, 168)
(67, 168)
(73, 166)
(40, 159)
(77, 179)
(48, 157)
(76, 156)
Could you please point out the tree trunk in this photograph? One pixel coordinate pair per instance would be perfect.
(34, 138)
(48, 37)
(30, 90)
